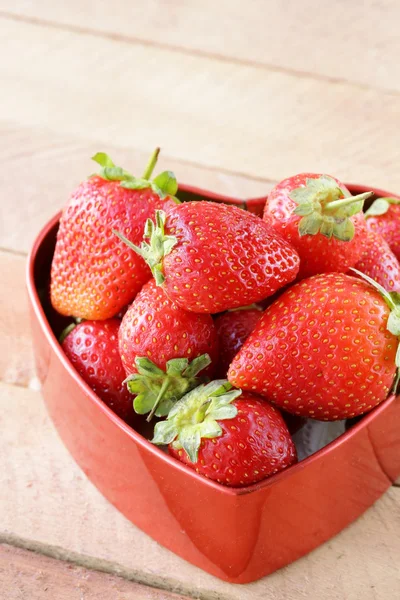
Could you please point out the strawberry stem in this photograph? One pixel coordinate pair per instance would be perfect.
(151, 164)
(347, 201)
(66, 331)
(156, 390)
(158, 246)
(392, 299)
(160, 396)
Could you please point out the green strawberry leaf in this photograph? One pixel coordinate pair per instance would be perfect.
(344, 230)
(380, 207)
(136, 184)
(310, 225)
(326, 208)
(103, 160)
(196, 415)
(397, 378)
(166, 182)
(159, 245)
(393, 323)
(190, 442)
(157, 390)
(327, 228)
(163, 185)
(164, 433)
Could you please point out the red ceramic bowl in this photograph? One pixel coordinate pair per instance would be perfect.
(238, 535)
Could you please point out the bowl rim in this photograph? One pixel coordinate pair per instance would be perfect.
(137, 437)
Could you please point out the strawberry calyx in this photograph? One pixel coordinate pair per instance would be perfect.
(326, 208)
(157, 390)
(380, 207)
(196, 416)
(159, 245)
(164, 184)
(392, 299)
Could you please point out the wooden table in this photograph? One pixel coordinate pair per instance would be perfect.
(239, 95)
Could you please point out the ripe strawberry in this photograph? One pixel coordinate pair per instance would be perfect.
(92, 348)
(322, 221)
(94, 274)
(323, 349)
(233, 328)
(212, 257)
(379, 263)
(157, 339)
(384, 217)
(235, 441)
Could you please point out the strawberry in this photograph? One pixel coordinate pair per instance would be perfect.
(94, 274)
(379, 262)
(157, 339)
(230, 439)
(322, 221)
(233, 328)
(92, 348)
(323, 349)
(383, 216)
(211, 257)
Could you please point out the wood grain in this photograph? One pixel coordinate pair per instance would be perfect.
(231, 117)
(53, 164)
(47, 504)
(238, 98)
(26, 575)
(350, 40)
(16, 356)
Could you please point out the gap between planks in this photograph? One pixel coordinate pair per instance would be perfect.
(233, 117)
(69, 156)
(38, 477)
(25, 574)
(125, 39)
(283, 44)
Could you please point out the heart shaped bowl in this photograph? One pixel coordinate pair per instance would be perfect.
(238, 535)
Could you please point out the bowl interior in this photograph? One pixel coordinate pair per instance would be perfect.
(40, 265)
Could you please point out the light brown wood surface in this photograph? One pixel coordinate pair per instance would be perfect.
(258, 122)
(239, 95)
(48, 505)
(27, 575)
(354, 41)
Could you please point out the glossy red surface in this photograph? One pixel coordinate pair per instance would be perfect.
(238, 535)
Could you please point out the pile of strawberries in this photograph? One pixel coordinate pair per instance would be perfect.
(225, 329)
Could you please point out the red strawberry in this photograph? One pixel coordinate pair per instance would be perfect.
(211, 257)
(94, 274)
(384, 217)
(322, 221)
(323, 349)
(233, 328)
(92, 348)
(379, 263)
(157, 339)
(235, 441)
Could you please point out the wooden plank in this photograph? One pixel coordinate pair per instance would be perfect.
(16, 356)
(231, 117)
(47, 504)
(348, 41)
(53, 164)
(26, 575)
